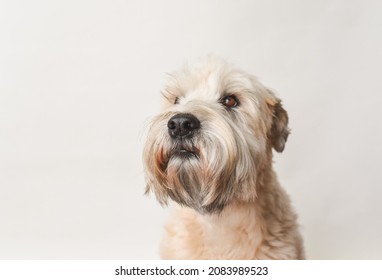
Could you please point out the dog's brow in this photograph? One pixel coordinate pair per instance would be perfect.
(169, 94)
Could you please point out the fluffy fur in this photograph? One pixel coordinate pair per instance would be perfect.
(230, 204)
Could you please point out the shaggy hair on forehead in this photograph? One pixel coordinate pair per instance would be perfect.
(212, 76)
(228, 159)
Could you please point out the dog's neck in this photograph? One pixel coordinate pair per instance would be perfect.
(236, 213)
(249, 218)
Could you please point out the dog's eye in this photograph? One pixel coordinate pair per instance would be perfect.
(230, 101)
(176, 101)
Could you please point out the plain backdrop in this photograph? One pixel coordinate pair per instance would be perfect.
(79, 81)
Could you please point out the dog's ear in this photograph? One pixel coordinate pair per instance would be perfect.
(279, 131)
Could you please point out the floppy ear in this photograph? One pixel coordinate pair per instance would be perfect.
(279, 132)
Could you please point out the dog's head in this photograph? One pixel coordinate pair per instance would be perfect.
(214, 138)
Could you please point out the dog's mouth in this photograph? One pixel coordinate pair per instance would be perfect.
(184, 151)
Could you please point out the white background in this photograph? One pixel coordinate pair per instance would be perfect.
(79, 81)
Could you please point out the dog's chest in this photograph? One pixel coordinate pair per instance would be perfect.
(236, 235)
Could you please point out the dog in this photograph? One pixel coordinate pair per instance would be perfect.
(209, 153)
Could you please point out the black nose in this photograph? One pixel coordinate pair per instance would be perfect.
(182, 125)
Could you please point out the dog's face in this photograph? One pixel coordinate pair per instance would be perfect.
(214, 138)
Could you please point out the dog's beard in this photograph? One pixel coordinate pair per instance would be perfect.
(195, 179)
(206, 172)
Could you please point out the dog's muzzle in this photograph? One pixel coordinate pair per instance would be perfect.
(182, 126)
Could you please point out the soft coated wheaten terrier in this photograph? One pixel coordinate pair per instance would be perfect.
(210, 151)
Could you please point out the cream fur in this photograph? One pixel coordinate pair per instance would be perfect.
(231, 204)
